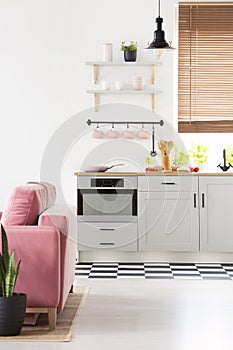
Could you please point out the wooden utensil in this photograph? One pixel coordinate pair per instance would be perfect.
(167, 152)
(162, 145)
(170, 145)
(161, 148)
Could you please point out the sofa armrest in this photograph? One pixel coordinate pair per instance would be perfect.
(64, 218)
(38, 248)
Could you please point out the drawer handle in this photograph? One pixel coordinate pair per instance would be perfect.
(168, 183)
(107, 243)
(107, 229)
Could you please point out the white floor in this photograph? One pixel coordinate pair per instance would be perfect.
(133, 314)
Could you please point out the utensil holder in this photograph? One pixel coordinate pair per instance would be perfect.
(166, 162)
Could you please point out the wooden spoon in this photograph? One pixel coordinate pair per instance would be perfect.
(170, 145)
(161, 147)
(166, 147)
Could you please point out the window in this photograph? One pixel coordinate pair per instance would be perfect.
(205, 79)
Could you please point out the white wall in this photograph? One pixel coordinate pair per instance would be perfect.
(44, 46)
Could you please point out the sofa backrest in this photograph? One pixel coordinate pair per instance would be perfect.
(27, 202)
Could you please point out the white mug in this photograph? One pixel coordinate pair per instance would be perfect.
(119, 85)
(105, 85)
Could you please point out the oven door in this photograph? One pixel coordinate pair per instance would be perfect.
(107, 205)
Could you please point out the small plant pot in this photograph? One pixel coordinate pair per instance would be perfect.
(166, 162)
(130, 56)
(12, 312)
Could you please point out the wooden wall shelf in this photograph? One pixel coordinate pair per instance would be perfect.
(97, 93)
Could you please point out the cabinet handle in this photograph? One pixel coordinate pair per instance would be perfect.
(106, 243)
(168, 183)
(195, 200)
(203, 200)
(107, 229)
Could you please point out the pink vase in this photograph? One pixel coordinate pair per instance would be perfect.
(107, 52)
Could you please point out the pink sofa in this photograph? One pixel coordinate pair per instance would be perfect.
(43, 235)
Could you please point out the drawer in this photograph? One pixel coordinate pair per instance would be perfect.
(168, 183)
(117, 236)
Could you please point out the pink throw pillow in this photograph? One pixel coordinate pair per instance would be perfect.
(26, 203)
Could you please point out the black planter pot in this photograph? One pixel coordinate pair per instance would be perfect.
(12, 312)
(130, 56)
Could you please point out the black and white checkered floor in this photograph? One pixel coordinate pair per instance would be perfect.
(155, 270)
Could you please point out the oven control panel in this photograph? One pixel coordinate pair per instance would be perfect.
(103, 182)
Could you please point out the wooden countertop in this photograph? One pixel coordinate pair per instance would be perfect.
(152, 173)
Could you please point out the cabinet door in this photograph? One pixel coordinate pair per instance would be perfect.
(216, 212)
(168, 221)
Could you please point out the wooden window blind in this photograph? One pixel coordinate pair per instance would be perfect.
(205, 78)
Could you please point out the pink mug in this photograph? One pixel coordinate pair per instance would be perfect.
(97, 134)
(142, 134)
(127, 134)
(112, 134)
(138, 83)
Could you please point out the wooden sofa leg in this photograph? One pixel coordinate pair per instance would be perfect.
(71, 289)
(52, 317)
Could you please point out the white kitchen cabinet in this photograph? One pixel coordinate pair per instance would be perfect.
(168, 214)
(120, 236)
(216, 213)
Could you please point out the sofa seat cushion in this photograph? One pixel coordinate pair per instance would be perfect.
(26, 203)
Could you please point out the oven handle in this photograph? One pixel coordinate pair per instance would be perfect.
(107, 229)
(106, 243)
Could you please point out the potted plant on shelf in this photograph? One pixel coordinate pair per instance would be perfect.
(130, 51)
(12, 305)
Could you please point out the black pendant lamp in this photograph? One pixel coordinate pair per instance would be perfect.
(159, 41)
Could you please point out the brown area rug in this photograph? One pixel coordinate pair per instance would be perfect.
(41, 333)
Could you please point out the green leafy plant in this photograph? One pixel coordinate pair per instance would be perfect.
(180, 157)
(229, 154)
(8, 270)
(148, 161)
(131, 47)
(199, 154)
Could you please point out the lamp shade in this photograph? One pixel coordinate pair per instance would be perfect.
(159, 41)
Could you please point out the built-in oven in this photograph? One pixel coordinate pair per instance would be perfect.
(107, 199)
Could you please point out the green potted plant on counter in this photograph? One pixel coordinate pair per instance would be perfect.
(180, 157)
(12, 305)
(130, 51)
(199, 155)
(229, 154)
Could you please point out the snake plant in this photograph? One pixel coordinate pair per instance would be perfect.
(8, 269)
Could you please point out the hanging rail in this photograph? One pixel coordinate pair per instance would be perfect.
(89, 122)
